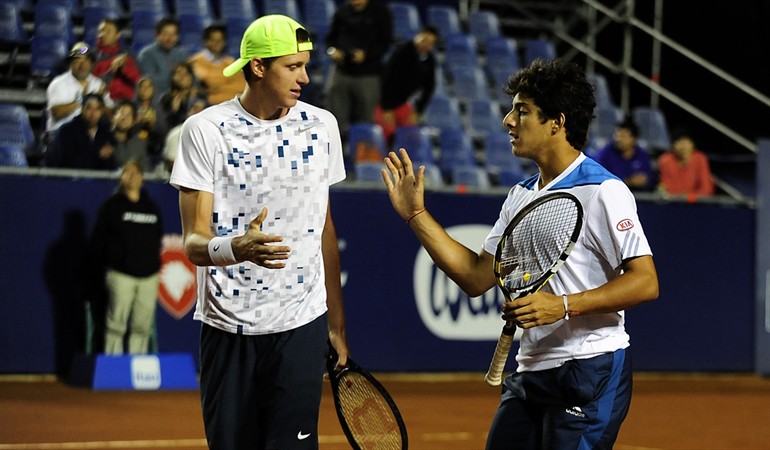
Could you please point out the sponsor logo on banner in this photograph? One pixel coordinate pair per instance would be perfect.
(145, 372)
(444, 308)
(178, 288)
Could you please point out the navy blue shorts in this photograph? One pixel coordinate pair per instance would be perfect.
(579, 405)
(263, 391)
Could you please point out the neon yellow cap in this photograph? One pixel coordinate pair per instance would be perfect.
(268, 37)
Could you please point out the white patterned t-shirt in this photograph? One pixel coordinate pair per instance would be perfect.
(285, 165)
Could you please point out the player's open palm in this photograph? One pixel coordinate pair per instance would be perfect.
(260, 248)
(406, 188)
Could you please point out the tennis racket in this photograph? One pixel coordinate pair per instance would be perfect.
(367, 413)
(533, 247)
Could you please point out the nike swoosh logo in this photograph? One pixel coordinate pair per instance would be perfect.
(301, 436)
(216, 247)
(303, 129)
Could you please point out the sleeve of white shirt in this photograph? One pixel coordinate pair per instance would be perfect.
(194, 164)
(612, 224)
(336, 161)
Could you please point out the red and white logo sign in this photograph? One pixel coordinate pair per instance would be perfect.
(625, 225)
(178, 286)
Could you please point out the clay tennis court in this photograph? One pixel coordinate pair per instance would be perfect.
(442, 412)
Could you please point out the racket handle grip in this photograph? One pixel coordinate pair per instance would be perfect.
(494, 375)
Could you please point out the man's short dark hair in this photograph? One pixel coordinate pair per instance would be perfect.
(162, 23)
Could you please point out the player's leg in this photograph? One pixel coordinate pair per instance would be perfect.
(297, 384)
(120, 290)
(367, 97)
(597, 395)
(517, 423)
(143, 314)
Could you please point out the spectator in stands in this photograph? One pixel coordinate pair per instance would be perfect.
(85, 142)
(171, 145)
(114, 64)
(685, 170)
(157, 60)
(66, 92)
(208, 64)
(360, 34)
(147, 116)
(174, 104)
(128, 145)
(125, 244)
(626, 159)
(411, 69)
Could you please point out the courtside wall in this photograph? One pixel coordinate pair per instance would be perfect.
(403, 314)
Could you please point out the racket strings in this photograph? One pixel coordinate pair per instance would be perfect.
(537, 242)
(368, 415)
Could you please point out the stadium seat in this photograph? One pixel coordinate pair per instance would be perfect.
(238, 9)
(235, 27)
(369, 171)
(11, 24)
(482, 25)
(499, 158)
(115, 7)
(366, 142)
(456, 149)
(442, 112)
(72, 6)
(200, 7)
(499, 81)
(468, 84)
(286, 7)
(470, 175)
(159, 7)
(318, 17)
(53, 20)
(484, 117)
(143, 28)
(502, 53)
(539, 48)
(12, 155)
(653, 128)
(46, 55)
(416, 140)
(406, 20)
(603, 126)
(191, 28)
(602, 90)
(443, 18)
(15, 126)
(459, 51)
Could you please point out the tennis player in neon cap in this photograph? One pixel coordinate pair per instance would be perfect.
(253, 175)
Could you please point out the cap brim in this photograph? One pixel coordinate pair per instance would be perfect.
(235, 67)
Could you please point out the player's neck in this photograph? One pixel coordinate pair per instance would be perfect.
(553, 166)
(253, 103)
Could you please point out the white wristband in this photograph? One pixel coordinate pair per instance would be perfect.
(221, 251)
(566, 307)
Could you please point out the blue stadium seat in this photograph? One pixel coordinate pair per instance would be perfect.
(417, 141)
(115, 7)
(499, 158)
(159, 7)
(442, 112)
(235, 27)
(52, 20)
(238, 9)
(469, 83)
(366, 142)
(369, 171)
(191, 28)
(502, 53)
(143, 28)
(456, 149)
(602, 90)
(484, 117)
(318, 17)
(459, 51)
(499, 80)
(603, 126)
(47, 54)
(470, 175)
(15, 126)
(406, 20)
(11, 24)
(539, 48)
(444, 18)
(653, 128)
(12, 155)
(286, 7)
(72, 6)
(482, 25)
(199, 7)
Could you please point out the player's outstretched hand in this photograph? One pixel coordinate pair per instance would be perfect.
(405, 188)
(259, 248)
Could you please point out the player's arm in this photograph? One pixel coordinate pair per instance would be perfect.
(334, 301)
(471, 271)
(196, 208)
(636, 285)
